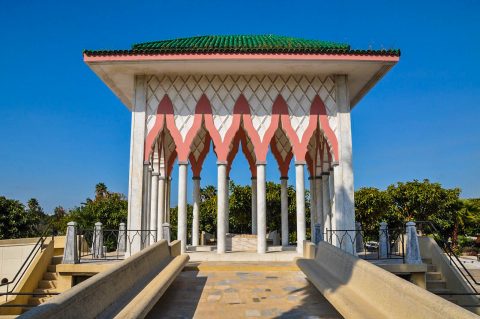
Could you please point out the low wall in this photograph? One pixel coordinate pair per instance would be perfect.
(13, 253)
(454, 281)
(105, 294)
(358, 289)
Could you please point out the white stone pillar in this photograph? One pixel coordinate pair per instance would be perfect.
(161, 207)
(313, 207)
(196, 210)
(70, 252)
(122, 238)
(182, 205)
(137, 145)
(383, 240)
(221, 209)
(167, 201)
(284, 209)
(319, 201)
(145, 209)
(413, 249)
(254, 205)
(154, 208)
(227, 206)
(261, 209)
(97, 245)
(327, 213)
(343, 172)
(300, 201)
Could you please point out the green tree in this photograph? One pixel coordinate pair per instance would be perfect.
(15, 220)
(371, 207)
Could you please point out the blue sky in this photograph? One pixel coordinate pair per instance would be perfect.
(62, 130)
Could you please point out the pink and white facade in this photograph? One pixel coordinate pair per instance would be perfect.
(298, 106)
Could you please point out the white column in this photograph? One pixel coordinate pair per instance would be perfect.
(300, 199)
(182, 205)
(221, 209)
(284, 209)
(196, 210)
(154, 206)
(145, 209)
(319, 201)
(167, 201)
(313, 207)
(227, 206)
(254, 205)
(137, 144)
(161, 206)
(343, 172)
(261, 209)
(327, 213)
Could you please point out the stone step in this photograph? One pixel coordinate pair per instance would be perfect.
(50, 276)
(431, 268)
(52, 268)
(45, 291)
(434, 275)
(35, 301)
(443, 291)
(427, 261)
(435, 284)
(57, 260)
(47, 284)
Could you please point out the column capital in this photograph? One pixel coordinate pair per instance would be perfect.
(182, 162)
(222, 162)
(300, 162)
(254, 178)
(261, 163)
(155, 174)
(325, 173)
(196, 178)
(318, 177)
(146, 163)
(161, 177)
(284, 178)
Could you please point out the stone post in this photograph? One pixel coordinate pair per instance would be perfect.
(70, 253)
(359, 237)
(182, 205)
(154, 208)
(196, 210)
(166, 232)
(261, 209)
(313, 208)
(318, 234)
(97, 245)
(254, 205)
(300, 199)
(122, 238)
(284, 209)
(221, 209)
(326, 203)
(413, 249)
(383, 240)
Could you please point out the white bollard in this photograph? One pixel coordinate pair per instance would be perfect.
(97, 248)
(122, 238)
(70, 253)
(383, 240)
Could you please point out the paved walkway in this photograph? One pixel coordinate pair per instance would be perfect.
(242, 294)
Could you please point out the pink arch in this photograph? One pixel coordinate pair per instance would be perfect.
(241, 137)
(318, 108)
(197, 164)
(283, 165)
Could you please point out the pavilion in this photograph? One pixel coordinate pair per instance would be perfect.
(291, 95)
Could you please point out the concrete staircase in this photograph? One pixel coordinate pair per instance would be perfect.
(436, 283)
(48, 284)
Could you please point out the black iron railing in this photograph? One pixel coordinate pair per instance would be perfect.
(111, 244)
(355, 242)
(11, 285)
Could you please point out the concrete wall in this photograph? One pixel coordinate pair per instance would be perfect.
(358, 289)
(13, 253)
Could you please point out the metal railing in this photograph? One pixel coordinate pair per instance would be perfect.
(11, 285)
(111, 244)
(355, 242)
(429, 228)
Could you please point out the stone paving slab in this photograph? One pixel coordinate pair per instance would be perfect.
(242, 294)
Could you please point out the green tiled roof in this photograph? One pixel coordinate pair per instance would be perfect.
(242, 44)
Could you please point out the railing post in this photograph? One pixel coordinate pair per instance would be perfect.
(166, 232)
(413, 249)
(122, 238)
(383, 240)
(70, 253)
(359, 237)
(97, 249)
